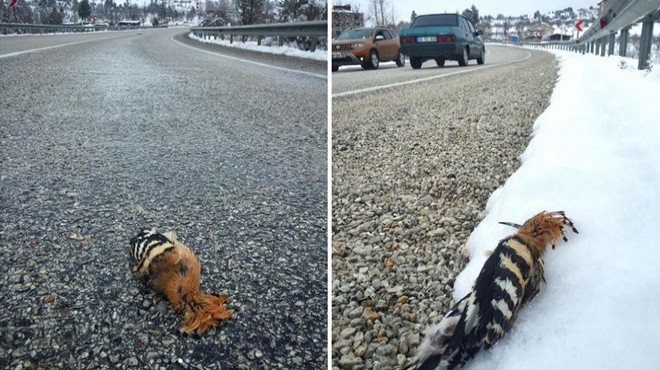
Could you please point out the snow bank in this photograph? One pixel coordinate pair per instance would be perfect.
(595, 154)
(281, 50)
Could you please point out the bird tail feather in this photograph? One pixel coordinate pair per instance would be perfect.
(203, 312)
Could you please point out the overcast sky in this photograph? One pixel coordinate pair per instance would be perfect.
(403, 8)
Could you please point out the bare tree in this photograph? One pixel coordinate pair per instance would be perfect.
(382, 4)
(382, 12)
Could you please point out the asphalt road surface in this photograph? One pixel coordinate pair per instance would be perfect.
(104, 134)
(351, 79)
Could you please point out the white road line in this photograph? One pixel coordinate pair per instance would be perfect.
(251, 62)
(16, 53)
(397, 84)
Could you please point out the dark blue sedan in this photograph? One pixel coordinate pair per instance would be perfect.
(442, 37)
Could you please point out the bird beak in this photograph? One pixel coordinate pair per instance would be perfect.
(510, 224)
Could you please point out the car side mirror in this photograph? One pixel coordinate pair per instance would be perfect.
(479, 33)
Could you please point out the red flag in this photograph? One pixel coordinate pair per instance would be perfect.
(12, 3)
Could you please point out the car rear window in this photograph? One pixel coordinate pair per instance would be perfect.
(436, 20)
(358, 33)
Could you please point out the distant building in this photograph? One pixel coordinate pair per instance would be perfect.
(540, 31)
(559, 37)
(183, 5)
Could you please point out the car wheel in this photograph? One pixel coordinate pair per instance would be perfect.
(400, 60)
(335, 68)
(373, 60)
(463, 59)
(416, 63)
(440, 62)
(482, 57)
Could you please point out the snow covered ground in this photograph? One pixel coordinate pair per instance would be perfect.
(595, 153)
(321, 55)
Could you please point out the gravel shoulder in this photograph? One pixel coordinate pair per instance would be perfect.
(413, 168)
(98, 142)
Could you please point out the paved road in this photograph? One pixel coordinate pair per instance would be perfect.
(126, 130)
(353, 78)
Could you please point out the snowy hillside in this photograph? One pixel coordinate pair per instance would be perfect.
(595, 154)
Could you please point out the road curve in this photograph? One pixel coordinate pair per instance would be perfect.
(125, 130)
(353, 79)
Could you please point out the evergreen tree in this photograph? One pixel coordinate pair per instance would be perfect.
(84, 9)
(472, 14)
(290, 9)
(250, 11)
(54, 17)
(475, 15)
(153, 7)
(22, 13)
(172, 13)
(162, 10)
(413, 16)
(108, 6)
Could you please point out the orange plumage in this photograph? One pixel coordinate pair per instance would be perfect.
(544, 228)
(172, 269)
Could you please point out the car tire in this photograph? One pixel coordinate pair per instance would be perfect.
(416, 63)
(440, 62)
(373, 61)
(400, 60)
(463, 59)
(482, 57)
(335, 68)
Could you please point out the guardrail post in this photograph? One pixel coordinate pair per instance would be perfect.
(610, 48)
(645, 42)
(623, 41)
(280, 40)
(231, 39)
(603, 41)
(314, 41)
(597, 47)
(259, 40)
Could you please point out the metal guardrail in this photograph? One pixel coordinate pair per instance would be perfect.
(313, 29)
(618, 15)
(21, 28)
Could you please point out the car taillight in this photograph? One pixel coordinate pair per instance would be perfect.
(408, 40)
(445, 38)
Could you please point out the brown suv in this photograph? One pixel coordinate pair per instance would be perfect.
(366, 47)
